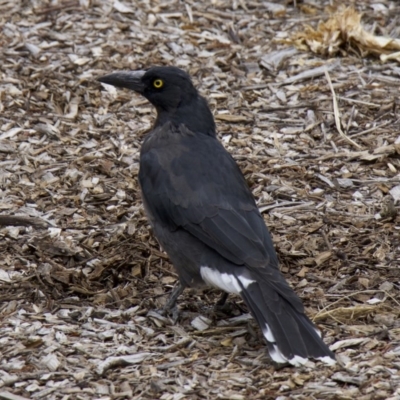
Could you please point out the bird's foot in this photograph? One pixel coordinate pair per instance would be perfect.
(225, 308)
(170, 307)
(222, 305)
(171, 311)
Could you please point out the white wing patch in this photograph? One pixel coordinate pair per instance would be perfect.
(268, 334)
(279, 358)
(318, 332)
(224, 281)
(327, 360)
(298, 361)
(276, 354)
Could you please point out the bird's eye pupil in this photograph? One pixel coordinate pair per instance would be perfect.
(158, 83)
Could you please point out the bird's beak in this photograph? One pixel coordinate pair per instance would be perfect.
(125, 79)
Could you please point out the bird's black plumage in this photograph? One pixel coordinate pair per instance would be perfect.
(205, 216)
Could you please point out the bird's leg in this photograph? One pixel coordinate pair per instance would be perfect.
(176, 292)
(222, 300)
(222, 306)
(170, 306)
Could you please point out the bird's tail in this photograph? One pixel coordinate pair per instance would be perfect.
(290, 335)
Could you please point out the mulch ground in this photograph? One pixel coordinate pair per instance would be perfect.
(317, 137)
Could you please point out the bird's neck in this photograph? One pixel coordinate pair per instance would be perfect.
(195, 115)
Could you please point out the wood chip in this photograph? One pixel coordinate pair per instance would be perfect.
(9, 396)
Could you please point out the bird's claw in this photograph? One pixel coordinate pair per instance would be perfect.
(172, 312)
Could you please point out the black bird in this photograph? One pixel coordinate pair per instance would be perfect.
(205, 216)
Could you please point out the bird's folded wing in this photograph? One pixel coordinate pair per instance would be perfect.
(193, 183)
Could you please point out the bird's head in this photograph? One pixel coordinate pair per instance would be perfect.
(165, 87)
(171, 91)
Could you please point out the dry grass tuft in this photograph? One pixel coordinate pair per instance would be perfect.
(344, 31)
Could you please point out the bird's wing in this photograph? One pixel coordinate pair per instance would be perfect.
(190, 181)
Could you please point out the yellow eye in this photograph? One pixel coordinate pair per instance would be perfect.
(158, 83)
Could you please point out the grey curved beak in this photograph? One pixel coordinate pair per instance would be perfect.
(125, 79)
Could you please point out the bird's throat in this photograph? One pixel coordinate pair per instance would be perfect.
(196, 116)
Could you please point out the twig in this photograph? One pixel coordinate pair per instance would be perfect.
(372, 129)
(349, 296)
(336, 112)
(365, 103)
(310, 73)
(16, 220)
(286, 205)
(326, 239)
(10, 396)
